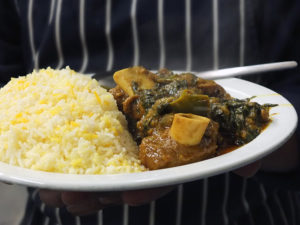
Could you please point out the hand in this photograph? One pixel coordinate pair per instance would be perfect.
(84, 203)
(249, 170)
(284, 159)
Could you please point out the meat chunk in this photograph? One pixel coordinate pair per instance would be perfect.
(211, 88)
(159, 150)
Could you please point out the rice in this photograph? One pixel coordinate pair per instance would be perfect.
(62, 121)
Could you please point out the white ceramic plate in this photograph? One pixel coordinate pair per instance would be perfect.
(284, 121)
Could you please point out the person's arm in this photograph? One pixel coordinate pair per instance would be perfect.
(283, 160)
(281, 169)
(11, 58)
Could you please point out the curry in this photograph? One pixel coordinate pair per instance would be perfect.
(180, 118)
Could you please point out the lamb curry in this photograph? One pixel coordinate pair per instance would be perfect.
(179, 118)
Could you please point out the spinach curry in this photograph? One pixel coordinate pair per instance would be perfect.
(179, 118)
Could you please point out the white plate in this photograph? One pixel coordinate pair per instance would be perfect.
(282, 127)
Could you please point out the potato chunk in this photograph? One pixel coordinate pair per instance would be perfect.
(137, 74)
(188, 129)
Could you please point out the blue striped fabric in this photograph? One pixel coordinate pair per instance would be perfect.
(92, 36)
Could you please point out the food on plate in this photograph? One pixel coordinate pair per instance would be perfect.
(63, 121)
(179, 118)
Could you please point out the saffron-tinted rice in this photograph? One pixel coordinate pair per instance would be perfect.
(63, 121)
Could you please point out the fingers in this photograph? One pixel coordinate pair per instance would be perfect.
(75, 198)
(85, 208)
(249, 170)
(84, 203)
(51, 198)
(139, 197)
(80, 203)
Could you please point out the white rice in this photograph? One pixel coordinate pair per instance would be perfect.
(63, 121)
